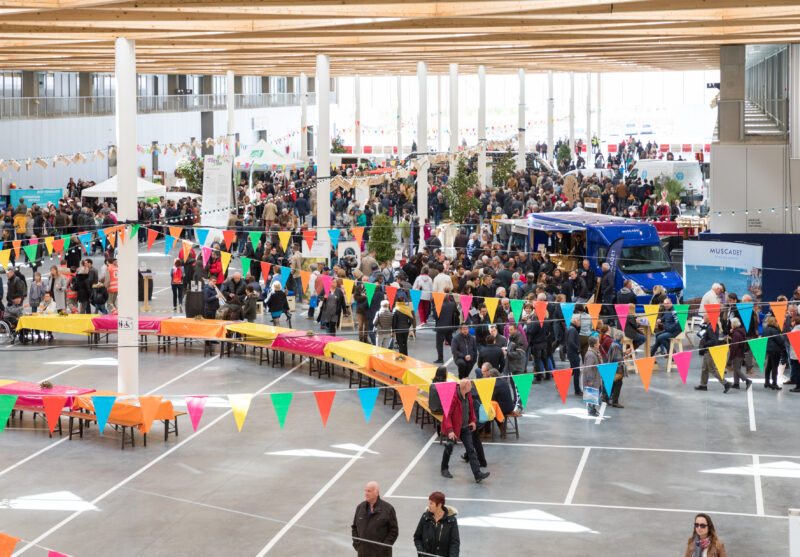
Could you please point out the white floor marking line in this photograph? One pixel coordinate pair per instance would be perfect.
(311, 502)
(577, 477)
(683, 451)
(31, 457)
(62, 372)
(144, 469)
(411, 465)
(184, 374)
(601, 414)
(751, 409)
(592, 506)
(757, 483)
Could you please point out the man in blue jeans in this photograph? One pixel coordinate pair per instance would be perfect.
(464, 350)
(459, 423)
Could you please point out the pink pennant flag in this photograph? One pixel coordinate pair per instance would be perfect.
(195, 406)
(682, 360)
(622, 314)
(33, 241)
(326, 283)
(206, 255)
(446, 391)
(466, 302)
(56, 554)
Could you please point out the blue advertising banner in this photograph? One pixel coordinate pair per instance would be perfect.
(39, 196)
(738, 266)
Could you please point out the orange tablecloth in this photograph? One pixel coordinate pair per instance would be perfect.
(194, 328)
(388, 364)
(126, 407)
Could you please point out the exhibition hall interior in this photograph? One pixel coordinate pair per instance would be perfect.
(405, 278)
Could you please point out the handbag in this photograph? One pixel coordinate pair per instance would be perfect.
(313, 302)
(591, 395)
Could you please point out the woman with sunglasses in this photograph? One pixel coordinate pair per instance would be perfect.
(704, 541)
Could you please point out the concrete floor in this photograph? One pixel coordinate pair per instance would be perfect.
(569, 486)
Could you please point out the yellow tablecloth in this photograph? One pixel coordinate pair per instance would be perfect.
(7, 382)
(257, 330)
(354, 351)
(193, 328)
(72, 323)
(422, 377)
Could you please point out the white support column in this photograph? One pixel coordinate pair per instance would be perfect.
(481, 126)
(439, 115)
(588, 118)
(521, 122)
(399, 118)
(599, 107)
(230, 98)
(572, 112)
(550, 153)
(128, 260)
(304, 117)
(357, 85)
(794, 103)
(453, 108)
(323, 145)
(794, 531)
(422, 143)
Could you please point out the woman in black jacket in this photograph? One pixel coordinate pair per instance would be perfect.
(277, 303)
(775, 347)
(437, 531)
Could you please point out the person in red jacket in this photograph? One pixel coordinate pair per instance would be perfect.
(457, 424)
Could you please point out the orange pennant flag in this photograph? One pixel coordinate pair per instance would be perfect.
(308, 236)
(187, 249)
(149, 406)
(228, 235)
(594, 312)
(779, 310)
(358, 233)
(540, 308)
(121, 230)
(562, 378)
(175, 231)
(17, 244)
(438, 300)
(305, 277)
(111, 236)
(7, 544)
(408, 394)
(645, 368)
(53, 405)
(151, 237)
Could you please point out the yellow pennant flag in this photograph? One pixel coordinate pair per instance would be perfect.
(240, 404)
(719, 354)
(491, 307)
(5, 255)
(348, 289)
(651, 313)
(284, 236)
(485, 388)
(49, 243)
(225, 259)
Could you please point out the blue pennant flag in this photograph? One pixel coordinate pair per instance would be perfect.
(746, 313)
(102, 235)
(202, 234)
(368, 397)
(566, 310)
(607, 372)
(102, 408)
(169, 241)
(334, 235)
(416, 296)
(86, 240)
(285, 274)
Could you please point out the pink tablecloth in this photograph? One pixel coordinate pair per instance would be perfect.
(300, 342)
(147, 323)
(30, 394)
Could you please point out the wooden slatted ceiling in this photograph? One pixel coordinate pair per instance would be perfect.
(387, 36)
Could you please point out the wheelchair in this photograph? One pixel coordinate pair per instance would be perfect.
(8, 328)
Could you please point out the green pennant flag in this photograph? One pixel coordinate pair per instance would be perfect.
(134, 231)
(66, 238)
(758, 346)
(369, 289)
(7, 403)
(683, 313)
(281, 402)
(254, 238)
(245, 265)
(523, 381)
(30, 251)
(516, 308)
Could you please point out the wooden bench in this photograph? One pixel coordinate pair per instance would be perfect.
(424, 415)
(226, 344)
(511, 417)
(22, 408)
(373, 378)
(170, 426)
(94, 337)
(164, 342)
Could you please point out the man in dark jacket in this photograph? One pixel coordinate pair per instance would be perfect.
(210, 298)
(374, 527)
(234, 286)
(573, 344)
(492, 354)
(580, 291)
(465, 351)
(607, 290)
(445, 325)
(459, 423)
(16, 286)
(708, 338)
(625, 294)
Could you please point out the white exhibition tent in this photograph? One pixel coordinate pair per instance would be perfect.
(110, 188)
